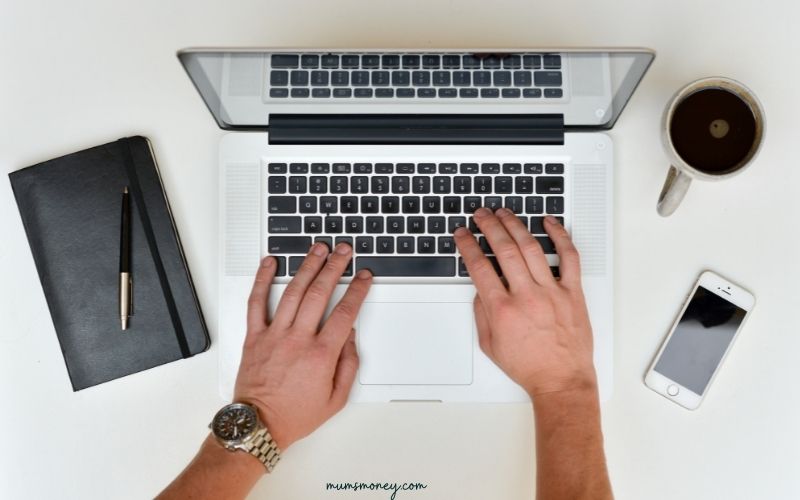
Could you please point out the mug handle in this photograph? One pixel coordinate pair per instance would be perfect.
(675, 187)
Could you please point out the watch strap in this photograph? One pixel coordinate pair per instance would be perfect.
(264, 448)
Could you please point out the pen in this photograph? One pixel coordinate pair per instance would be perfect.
(125, 261)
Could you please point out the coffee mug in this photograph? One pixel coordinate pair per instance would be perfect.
(712, 130)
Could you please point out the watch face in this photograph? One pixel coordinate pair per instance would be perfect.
(235, 422)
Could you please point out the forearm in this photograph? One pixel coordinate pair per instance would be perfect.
(216, 473)
(570, 461)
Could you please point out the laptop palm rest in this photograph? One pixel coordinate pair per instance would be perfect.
(415, 343)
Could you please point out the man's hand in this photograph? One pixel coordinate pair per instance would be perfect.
(297, 372)
(533, 327)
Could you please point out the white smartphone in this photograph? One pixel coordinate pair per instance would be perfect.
(689, 358)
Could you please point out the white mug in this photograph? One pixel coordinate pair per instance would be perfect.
(681, 173)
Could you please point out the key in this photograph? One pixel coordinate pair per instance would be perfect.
(313, 224)
(405, 92)
(493, 202)
(531, 62)
(340, 78)
(512, 168)
(401, 78)
(491, 62)
(364, 244)
(411, 62)
(426, 168)
(369, 204)
(462, 185)
(354, 224)
(341, 168)
(276, 168)
(324, 239)
(503, 184)
(533, 168)
(441, 78)
(330, 61)
(279, 78)
(481, 78)
(462, 269)
(349, 204)
(483, 184)
(390, 204)
(405, 244)
(501, 78)
(446, 244)
(437, 225)
(473, 226)
(431, 205)
(534, 205)
(549, 185)
(555, 205)
(547, 244)
(294, 264)
(430, 61)
(553, 93)
(532, 93)
(552, 61)
(384, 168)
(339, 184)
(350, 61)
(281, 204)
(490, 168)
(385, 244)
(470, 62)
(359, 184)
(284, 61)
(410, 204)
(308, 204)
(454, 223)
(421, 78)
(490, 93)
(279, 92)
(363, 93)
(426, 92)
(554, 168)
(484, 244)
(421, 185)
(471, 203)
(426, 244)
(288, 244)
(319, 78)
(384, 92)
(298, 168)
(281, 269)
(469, 168)
(510, 93)
(537, 225)
(468, 93)
(390, 61)
(400, 184)
(416, 225)
(299, 78)
(374, 225)
(395, 225)
(318, 184)
(297, 185)
(522, 78)
(441, 185)
(297, 92)
(514, 203)
(512, 62)
(276, 185)
(448, 168)
(380, 78)
(309, 61)
(359, 78)
(451, 62)
(547, 78)
(462, 78)
(407, 266)
(320, 92)
(370, 61)
(523, 184)
(342, 92)
(283, 224)
(452, 205)
(334, 225)
(328, 204)
(405, 168)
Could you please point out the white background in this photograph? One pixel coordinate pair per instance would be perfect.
(81, 73)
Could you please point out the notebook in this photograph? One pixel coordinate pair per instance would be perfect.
(71, 210)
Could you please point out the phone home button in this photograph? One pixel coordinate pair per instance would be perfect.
(672, 390)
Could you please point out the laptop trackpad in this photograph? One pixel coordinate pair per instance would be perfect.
(415, 343)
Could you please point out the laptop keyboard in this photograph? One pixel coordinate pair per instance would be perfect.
(399, 217)
(415, 76)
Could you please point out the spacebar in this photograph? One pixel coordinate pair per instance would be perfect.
(408, 266)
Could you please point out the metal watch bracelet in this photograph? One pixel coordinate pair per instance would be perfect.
(264, 448)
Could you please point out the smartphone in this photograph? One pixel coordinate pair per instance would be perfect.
(689, 358)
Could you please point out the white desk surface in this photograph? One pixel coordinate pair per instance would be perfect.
(77, 74)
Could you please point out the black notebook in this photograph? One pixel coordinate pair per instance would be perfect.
(71, 208)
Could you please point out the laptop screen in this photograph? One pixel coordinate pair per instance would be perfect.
(587, 88)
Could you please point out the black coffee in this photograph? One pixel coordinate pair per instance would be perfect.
(713, 130)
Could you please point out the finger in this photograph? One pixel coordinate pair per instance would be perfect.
(345, 373)
(336, 329)
(480, 269)
(530, 248)
(515, 270)
(482, 324)
(257, 307)
(569, 259)
(293, 295)
(316, 299)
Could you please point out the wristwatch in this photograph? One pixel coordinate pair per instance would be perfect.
(237, 427)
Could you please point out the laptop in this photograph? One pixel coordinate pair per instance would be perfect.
(390, 151)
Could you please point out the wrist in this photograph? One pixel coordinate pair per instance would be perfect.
(581, 385)
(272, 421)
(243, 465)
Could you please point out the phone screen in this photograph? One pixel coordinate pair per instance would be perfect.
(700, 340)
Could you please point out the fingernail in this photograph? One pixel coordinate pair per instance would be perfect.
(267, 262)
(502, 212)
(320, 249)
(482, 212)
(551, 220)
(343, 249)
(364, 274)
(460, 230)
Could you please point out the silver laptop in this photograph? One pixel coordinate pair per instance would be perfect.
(390, 151)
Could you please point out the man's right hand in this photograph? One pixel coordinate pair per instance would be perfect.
(534, 327)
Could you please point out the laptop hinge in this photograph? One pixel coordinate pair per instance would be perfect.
(416, 129)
